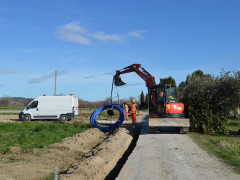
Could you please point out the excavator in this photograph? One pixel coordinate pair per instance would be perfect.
(164, 108)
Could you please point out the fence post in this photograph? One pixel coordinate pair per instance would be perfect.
(56, 172)
(81, 114)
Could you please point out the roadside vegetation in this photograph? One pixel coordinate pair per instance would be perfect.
(210, 103)
(226, 147)
(30, 135)
(209, 100)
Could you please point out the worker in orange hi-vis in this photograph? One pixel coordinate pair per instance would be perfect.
(134, 110)
(126, 110)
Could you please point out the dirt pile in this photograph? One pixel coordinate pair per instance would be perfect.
(40, 163)
(98, 163)
(88, 155)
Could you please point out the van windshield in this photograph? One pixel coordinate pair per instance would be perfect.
(34, 104)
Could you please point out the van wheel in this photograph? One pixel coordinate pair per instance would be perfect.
(63, 118)
(27, 117)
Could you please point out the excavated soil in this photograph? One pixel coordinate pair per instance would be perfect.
(99, 162)
(88, 155)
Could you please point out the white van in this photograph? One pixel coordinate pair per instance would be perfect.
(62, 108)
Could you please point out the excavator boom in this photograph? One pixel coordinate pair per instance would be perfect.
(146, 76)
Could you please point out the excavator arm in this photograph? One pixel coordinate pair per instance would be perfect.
(146, 76)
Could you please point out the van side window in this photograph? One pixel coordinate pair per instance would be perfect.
(34, 104)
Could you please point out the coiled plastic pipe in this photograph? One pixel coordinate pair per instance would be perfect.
(107, 127)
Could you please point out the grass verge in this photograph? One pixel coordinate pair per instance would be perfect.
(30, 135)
(12, 108)
(9, 113)
(226, 147)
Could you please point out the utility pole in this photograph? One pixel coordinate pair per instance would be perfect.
(55, 82)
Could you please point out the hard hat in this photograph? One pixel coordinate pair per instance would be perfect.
(170, 97)
(133, 100)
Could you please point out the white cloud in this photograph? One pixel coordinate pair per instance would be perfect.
(106, 37)
(8, 71)
(46, 77)
(73, 27)
(137, 34)
(41, 79)
(73, 32)
(76, 38)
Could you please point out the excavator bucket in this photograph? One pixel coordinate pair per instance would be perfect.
(117, 80)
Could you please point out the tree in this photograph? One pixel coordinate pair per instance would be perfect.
(146, 101)
(142, 101)
(179, 95)
(209, 101)
(198, 73)
(26, 102)
(182, 85)
(168, 80)
(180, 88)
(5, 101)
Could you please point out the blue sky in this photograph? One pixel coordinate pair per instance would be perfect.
(87, 41)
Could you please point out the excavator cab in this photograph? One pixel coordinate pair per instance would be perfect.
(166, 103)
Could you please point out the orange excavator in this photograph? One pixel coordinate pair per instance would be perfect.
(164, 108)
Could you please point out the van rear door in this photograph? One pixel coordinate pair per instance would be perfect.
(75, 105)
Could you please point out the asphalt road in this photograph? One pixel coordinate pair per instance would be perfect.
(170, 155)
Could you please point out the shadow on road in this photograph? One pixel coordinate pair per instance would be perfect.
(166, 130)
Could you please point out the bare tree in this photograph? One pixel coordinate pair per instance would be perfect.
(5, 101)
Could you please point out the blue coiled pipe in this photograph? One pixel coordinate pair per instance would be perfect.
(93, 118)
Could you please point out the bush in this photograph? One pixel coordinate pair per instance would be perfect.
(209, 100)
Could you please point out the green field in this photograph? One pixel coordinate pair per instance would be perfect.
(226, 147)
(11, 108)
(84, 113)
(30, 135)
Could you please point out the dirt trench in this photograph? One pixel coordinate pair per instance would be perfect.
(88, 155)
(100, 162)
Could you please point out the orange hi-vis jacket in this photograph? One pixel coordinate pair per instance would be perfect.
(126, 107)
(133, 108)
(126, 113)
